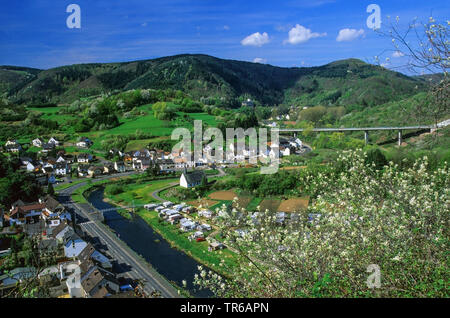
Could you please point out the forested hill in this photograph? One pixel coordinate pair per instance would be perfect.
(346, 82)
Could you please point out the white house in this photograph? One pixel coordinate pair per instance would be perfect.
(119, 166)
(84, 158)
(191, 179)
(82, 171)
(74, 246)
(11, 142)
(53, 141)
(62, 169)
(71, 272)
(30, 167)
(285, 151)
(62, 231)
(37, 142)
(166, 165)
(13, 146)
(84, 142)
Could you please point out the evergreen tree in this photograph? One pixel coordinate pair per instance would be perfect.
(50, 190)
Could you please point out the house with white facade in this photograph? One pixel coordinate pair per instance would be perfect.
(13, 146)
(37, 142)
(84, 158)
(74, 245)
(62, 169)
(192, 179)
(119, 166)
(84, 143)
(54, 141)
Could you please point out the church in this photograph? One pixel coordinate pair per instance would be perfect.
(191, 179)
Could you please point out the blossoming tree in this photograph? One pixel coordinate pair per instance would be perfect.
(397, 220)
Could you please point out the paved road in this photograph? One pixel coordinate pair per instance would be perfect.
(139, 269)
(354, 129)
(155, 194)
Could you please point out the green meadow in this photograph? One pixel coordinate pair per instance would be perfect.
(147, 124)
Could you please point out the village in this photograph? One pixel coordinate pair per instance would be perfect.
(55, 165)
(48, 223)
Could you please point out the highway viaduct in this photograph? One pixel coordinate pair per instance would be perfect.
(365, 129)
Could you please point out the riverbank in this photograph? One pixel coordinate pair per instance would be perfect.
(173, 264)
(197, 250)
(140, 193)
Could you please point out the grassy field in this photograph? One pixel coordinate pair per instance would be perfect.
(140, 144)
(140, 193)
(208, 119)
(147, 124)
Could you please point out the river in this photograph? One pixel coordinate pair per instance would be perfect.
(173, 264)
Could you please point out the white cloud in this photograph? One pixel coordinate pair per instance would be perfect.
(300, 34)
(256, 39)
(349, 34)
(226, 27)
(144, 24)
(397, 54)
(260, 60)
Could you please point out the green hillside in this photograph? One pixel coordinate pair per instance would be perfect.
(215, 81)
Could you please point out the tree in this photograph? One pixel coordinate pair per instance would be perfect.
(376, 157)
(204, 182)
(313, 114)
(395, 219)
(425, 47)
(162, 111)
(153, 170)
(50, 190)
(38, 259)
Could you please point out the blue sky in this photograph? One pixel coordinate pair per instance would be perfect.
(34, 33)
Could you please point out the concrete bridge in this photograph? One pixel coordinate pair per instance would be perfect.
(365, 129)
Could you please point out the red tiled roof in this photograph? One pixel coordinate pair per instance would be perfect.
(26, 208)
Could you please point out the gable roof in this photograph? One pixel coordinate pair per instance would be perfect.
(22, 210)
(58, 229)
(93, 278)
(61, 165)
(101, 293)
(194, 176)
(51, 203)
(86, 253)
(48, 146)
(83, 156)
(86, 266)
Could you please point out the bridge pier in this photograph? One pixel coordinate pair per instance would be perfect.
(400, 137)
(366, 137)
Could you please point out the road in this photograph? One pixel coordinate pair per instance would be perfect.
(337, 129)
(138, 268)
